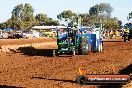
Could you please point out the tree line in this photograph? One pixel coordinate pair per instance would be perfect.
(99, 13)
(22, 17)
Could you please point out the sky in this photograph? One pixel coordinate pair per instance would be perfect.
(53, 7)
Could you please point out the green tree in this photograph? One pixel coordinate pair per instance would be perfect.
(120, 24)
(101, 11)
(87, 19)
(41, 18)
(111, 24)
(51, 22)
(128, 25)
(16, 13)
(27, 17)
(27, 13)
(22, 16)
(129, 16)
(68, 16)
(3, 25)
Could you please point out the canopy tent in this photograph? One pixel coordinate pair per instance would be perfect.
(47, 27)
(8, 29)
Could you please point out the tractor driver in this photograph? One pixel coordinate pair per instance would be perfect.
(62, 31)
(71, 38)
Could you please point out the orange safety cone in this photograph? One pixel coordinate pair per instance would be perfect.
(82, 71)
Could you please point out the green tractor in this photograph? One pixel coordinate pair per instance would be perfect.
(79, 40)
(69, 43)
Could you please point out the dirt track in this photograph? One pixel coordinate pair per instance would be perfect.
(24, 41)
(41, 70)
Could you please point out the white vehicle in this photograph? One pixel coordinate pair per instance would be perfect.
(5, 35)
(31, 35)
(49, 31)
(28, 35)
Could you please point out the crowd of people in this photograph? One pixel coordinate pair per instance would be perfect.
(124, 34)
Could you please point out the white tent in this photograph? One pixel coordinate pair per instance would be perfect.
(48, 27)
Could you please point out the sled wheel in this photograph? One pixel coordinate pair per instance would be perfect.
(80, 79)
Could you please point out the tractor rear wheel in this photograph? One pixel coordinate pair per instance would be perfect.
(85, 47)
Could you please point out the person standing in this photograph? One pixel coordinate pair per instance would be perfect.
(126, 35)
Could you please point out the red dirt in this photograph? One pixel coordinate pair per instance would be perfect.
(24, 41)
(40, 70)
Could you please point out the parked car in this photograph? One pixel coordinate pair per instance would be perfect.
(5, 35)
(17, 35)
